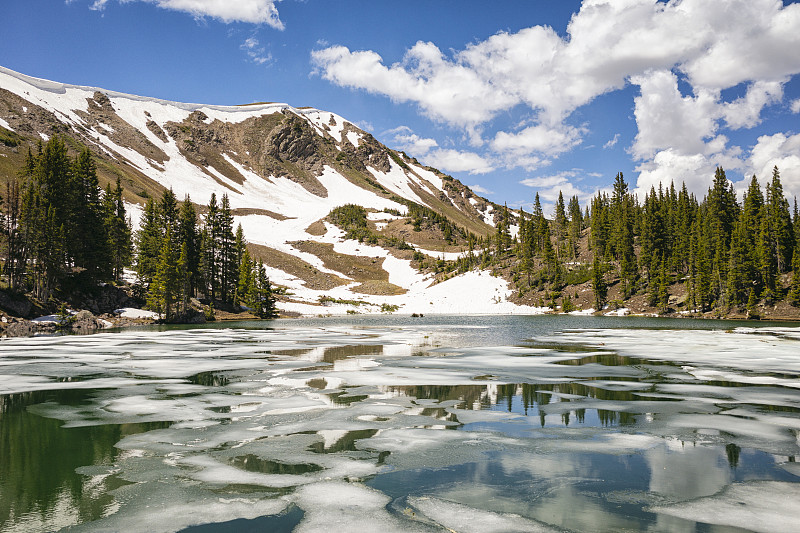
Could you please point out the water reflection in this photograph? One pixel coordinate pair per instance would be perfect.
(557, 436)
(39, 485)
(534, 400)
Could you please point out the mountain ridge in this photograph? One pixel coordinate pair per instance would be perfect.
(284, 170)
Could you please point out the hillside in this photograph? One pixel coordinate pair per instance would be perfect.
(284, 169)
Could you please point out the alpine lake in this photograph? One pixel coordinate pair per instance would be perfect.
(392, 423)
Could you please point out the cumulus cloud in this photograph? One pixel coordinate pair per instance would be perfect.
(779, 150)
(706, 46)
(428, 151)
(666, 119)
(458, 161)
(406, 140)
(795, 106)
(444, 90)
(252, 11)
(480, 189)
(745, 112)
(549, 187)
(539, 138)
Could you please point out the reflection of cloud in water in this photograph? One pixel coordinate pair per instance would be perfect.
(242, 413)
(683, 471)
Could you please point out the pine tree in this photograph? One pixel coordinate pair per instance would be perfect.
(190, 237)
(794, 290)
(599, 285)
(767, 258)
(166, 285)
(210, 249)
(575, 226)
(263, 302)
(740, 268)
(118, 230)
(226, 244)
(14, 249)
(246, 285)
(752, 302)
(781, 231)
(148, 244)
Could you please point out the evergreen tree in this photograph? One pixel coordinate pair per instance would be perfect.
(575, 226)
(190, 237)
(767, 257)
(118, 230)
(247, 282)
(210, 249)
(263, 301)
(228, 260)
(781, 231)
(166, 285)
(148, 244)
(599, 285)
(794, 289)
(740, 267)
(14, 249)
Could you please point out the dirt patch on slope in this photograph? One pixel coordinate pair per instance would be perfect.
(312, 277)
(379, 288)
(316, 228)
(356, 267)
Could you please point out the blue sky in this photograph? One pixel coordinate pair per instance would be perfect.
(511, 97)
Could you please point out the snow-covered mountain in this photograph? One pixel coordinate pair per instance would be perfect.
(284, 169)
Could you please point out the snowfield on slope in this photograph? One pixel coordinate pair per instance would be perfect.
(473, 292)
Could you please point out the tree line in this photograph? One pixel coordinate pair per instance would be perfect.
(62, 233)
(730, 253)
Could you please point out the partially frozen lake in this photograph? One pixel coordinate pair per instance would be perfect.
(544, 423)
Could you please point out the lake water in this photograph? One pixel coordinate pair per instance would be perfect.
(384, 423)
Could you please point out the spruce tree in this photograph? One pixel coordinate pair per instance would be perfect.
(166, 286)
(118, 230)
(210, 257)
(87, 241)
(263, 302)
(599, 285)
(226, 244)
(767, 258)
(781, 231)
(246, 284)
(148, 244)
(190, 237)
(794, 290)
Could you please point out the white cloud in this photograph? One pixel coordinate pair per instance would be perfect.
(444, 90)
(252, 11)
(612, 142)
(480, 189)
(795, 106)
(712, 46)
(546, 140)
(458, 161)
(777, 150)
(745, 112)
(550, 186)
(255, 51)
(668, 120)
(411, 143)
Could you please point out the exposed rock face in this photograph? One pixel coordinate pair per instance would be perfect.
(103, 118)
